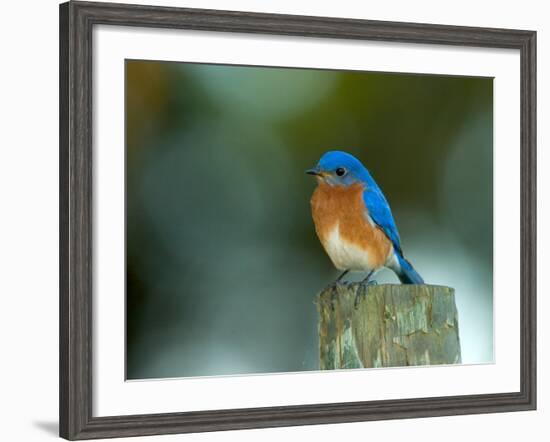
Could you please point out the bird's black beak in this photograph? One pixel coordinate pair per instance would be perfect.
(314, 171)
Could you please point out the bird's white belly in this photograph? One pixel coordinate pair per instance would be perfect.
(344, 255)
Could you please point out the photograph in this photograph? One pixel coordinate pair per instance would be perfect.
(283, 220)
(275, 221)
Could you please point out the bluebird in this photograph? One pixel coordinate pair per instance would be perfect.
(353, 220)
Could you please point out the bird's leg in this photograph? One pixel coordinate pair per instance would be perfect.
(344, 273)
(367, 279)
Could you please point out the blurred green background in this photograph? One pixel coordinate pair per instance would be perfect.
(223, 264)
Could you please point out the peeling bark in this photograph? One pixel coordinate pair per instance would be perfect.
(389, 325)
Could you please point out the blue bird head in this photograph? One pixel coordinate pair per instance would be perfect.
(339, 168)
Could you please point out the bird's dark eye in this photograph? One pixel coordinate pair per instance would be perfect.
(340, 171)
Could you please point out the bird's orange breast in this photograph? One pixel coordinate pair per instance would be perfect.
(343, 208)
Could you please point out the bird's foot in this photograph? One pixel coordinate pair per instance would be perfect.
(368, 281)
(333, 285)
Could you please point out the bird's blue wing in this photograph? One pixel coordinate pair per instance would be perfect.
(380, 212)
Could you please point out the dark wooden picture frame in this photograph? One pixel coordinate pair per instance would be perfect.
(77, 20)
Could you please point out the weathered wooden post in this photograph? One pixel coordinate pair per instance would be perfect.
(389, 325)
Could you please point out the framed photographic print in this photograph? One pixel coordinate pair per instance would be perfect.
(271, 220)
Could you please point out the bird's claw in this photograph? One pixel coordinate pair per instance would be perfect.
(333, 295)
(357, 300)
(362, 292)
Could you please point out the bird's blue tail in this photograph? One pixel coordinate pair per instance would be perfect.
(407, 274)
